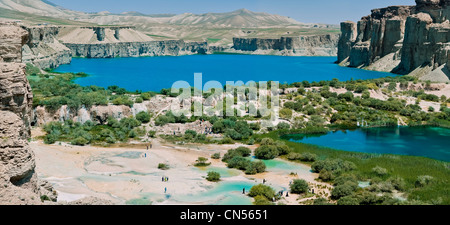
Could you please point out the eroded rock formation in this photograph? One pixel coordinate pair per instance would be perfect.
(19, 184)
(43, 49)
(401, 39)
(18, 181)
(313, 45)
(135, 49)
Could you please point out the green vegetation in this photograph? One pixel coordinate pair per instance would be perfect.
(90, 133)
(213, 176)
(163, 166)
(270, 149)
(143, 117)
(262, 193)
(236, 158)
(215, 156)
(422, 180)
(299, 186)
(213, 40)
(55, 90)
(350, 109)
(202, 162)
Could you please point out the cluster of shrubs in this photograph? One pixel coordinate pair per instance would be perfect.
(347, 191)
(234, 129)
(169, 117)
(213, 176)
(202, 162)
(359, 85)
(349, 108)
(299, 186)
(238, 159)
(262, 194)
(271, 149)
(89, 133)
(304, 157)
(328, 169)
(56, 91)
(163, 166)
(193, 136)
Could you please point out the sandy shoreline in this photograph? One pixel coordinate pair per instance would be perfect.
(130, 175)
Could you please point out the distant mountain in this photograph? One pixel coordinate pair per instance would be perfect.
(238, 18)
(217, 28)
(38, 7)
(241, 18)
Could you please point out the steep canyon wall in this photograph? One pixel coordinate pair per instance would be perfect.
(314, 45)
(401, 39)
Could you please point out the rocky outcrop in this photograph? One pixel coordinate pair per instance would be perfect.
(51, 46)
(97, 114)
(377, 36)
(100, 113)
(43, 49)
(401, 39)
(346, 40)
(314, 45)
(135, 49)
(18, 181)
(426, 43)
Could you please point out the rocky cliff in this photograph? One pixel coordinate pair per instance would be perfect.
(401, 39)
(122, 41)
(51, 46)
(313, 45)
(43, 49)
(135, 49)
(18, 181)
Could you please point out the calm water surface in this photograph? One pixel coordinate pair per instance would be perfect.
(156, 73)
(431, 142)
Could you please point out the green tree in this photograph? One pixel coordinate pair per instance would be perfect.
(143, 117)
(266, 152)
(286, 113)
(348, 200)
(299, 186)
(213, 176)
(262, 190)
(343, 190)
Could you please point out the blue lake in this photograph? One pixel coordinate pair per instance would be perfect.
(431, 142)
(156, 73)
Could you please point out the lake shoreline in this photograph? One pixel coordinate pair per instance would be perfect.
(307, 139)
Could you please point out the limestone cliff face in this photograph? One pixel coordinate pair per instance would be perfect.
(135, 49)
(400, 39)
(43, 49)
(18, 181)
(51, 46)
(376, 36)
(348, 37)
(314, 45)
(427, 37)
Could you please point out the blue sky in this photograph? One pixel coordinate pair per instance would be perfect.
(309, 11)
